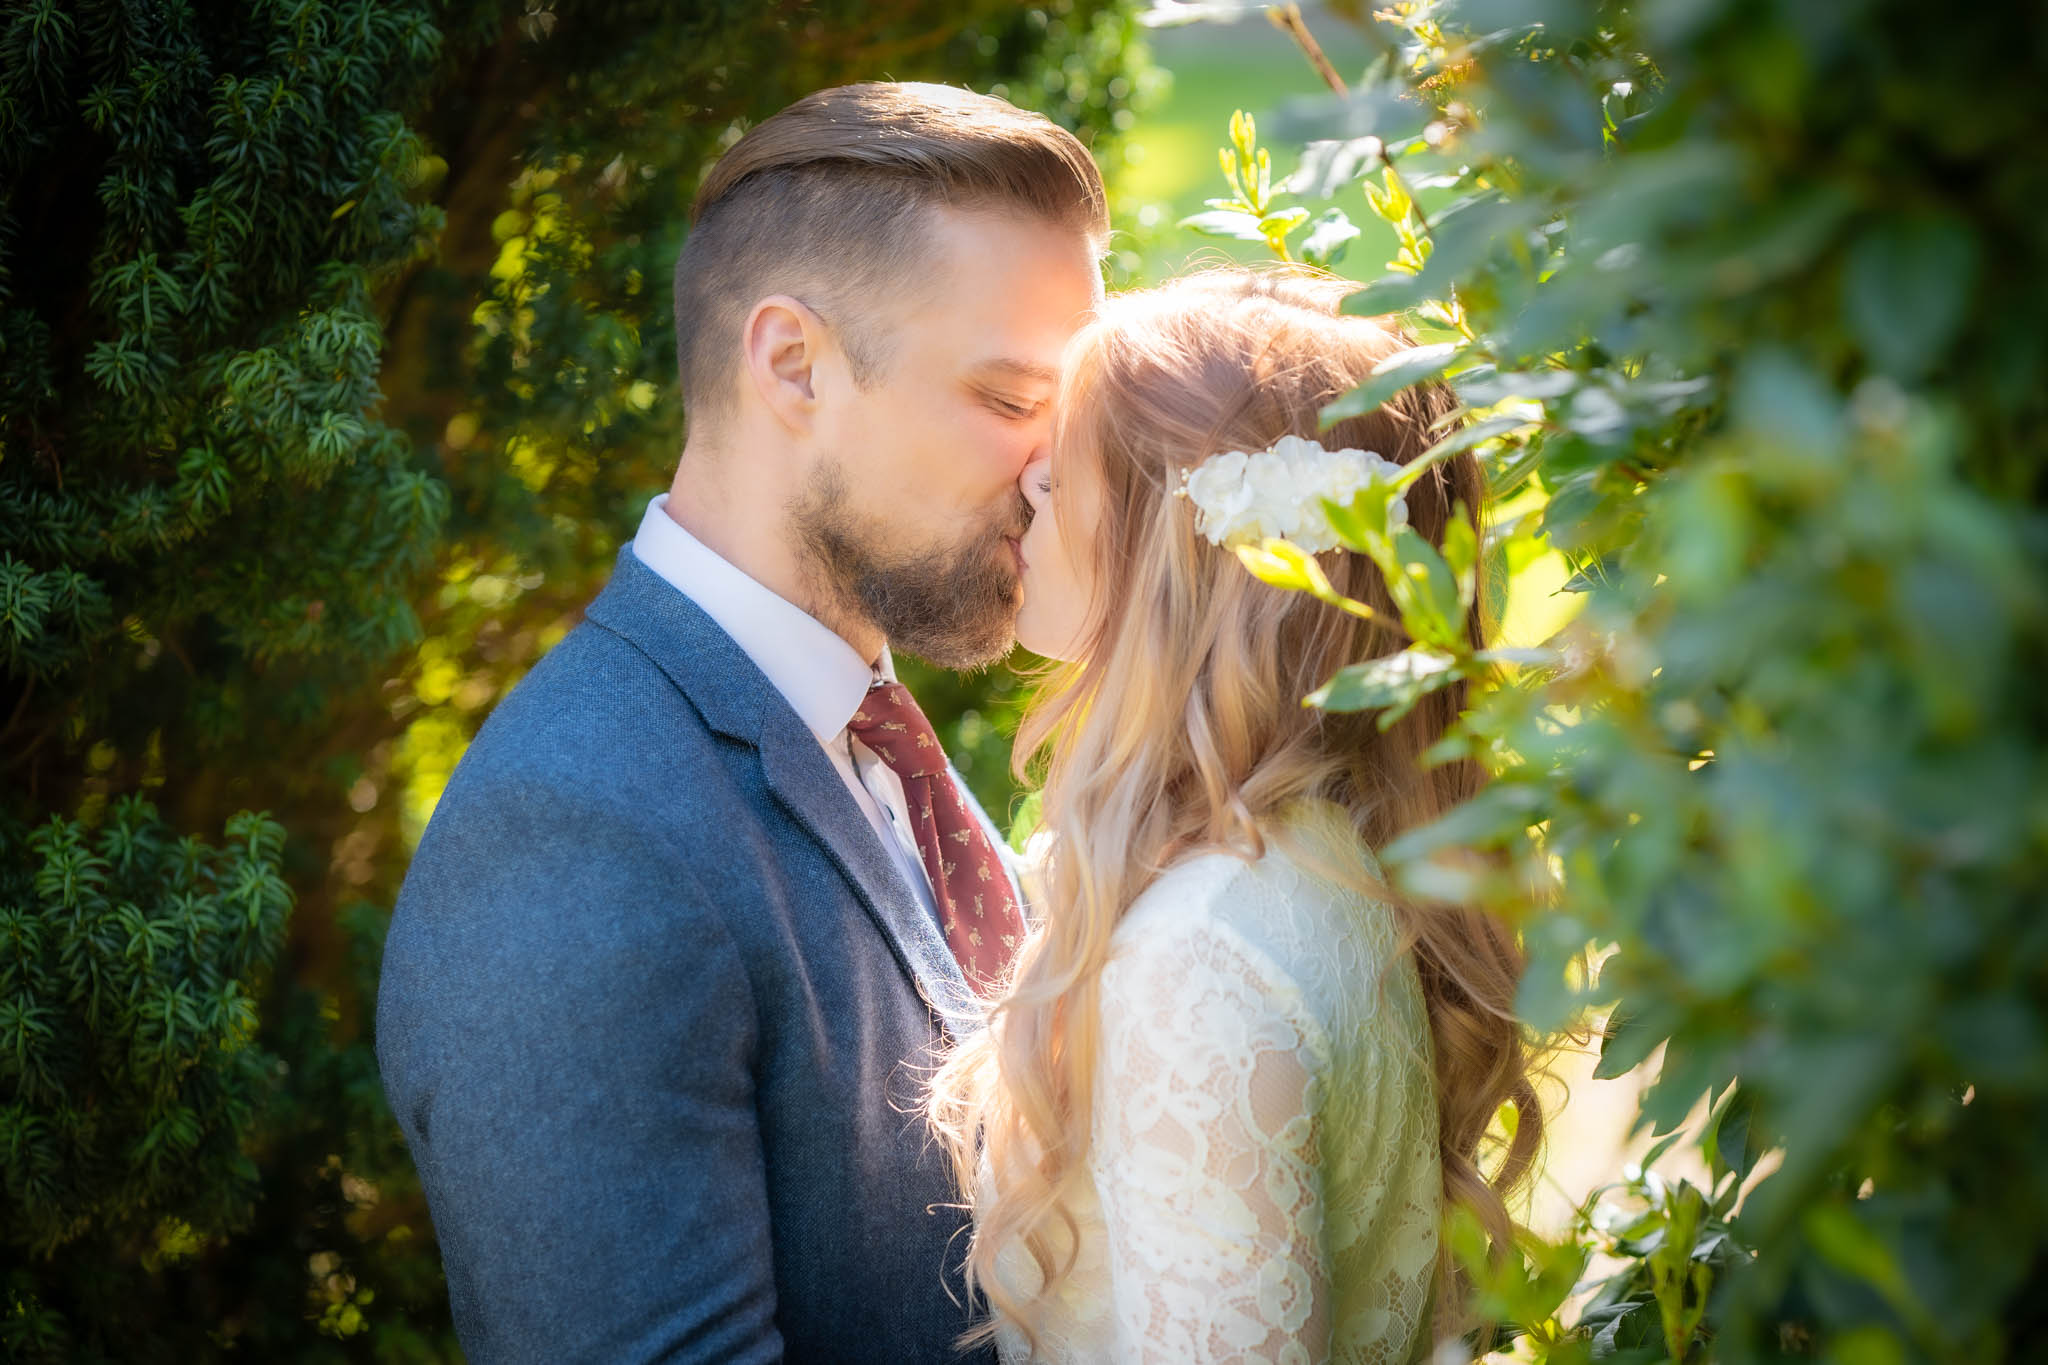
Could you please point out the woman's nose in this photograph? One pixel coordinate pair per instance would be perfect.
(1033, 481)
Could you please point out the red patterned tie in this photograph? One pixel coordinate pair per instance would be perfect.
(982, 921)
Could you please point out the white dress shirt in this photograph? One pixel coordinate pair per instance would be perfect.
(819, 674)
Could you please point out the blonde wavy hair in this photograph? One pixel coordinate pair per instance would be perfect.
(1181, 729)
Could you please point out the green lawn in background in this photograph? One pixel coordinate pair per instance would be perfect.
(1170, 156)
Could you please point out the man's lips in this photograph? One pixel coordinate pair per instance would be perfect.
(1017, 552)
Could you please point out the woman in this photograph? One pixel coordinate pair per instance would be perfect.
(1235, 1080)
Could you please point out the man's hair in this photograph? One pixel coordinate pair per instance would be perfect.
(830, 201)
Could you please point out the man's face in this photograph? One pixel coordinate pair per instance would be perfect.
(912, 511)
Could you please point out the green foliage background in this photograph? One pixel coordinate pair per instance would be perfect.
(1742, 301)
(335, 362)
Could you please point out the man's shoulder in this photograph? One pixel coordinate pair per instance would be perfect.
(596, 733)
(586, 800)
(596, 667)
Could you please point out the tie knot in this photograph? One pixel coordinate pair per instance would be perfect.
(890, 723)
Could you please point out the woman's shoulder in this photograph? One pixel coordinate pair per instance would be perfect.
(1200, 893)
(1305, 909)
(1200, 890)
(1191, 884)
(1294, 875)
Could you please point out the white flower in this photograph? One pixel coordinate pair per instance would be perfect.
(1244, 497)
(1275, 493)
(1220, 495)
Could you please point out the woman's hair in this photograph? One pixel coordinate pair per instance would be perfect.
(1181, 729)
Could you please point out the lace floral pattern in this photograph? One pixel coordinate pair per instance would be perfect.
(1264, 1151)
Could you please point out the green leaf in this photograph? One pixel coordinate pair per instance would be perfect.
(1243, 227)
(1461, 553)
(1280, 222)
(1329, 165)
(1520, 658)
(1870, 1344)
(1244, 133)
(1735, 1142)
(1283, 565)
(1908, 285)
(1397, 680)
(1627, 1044)
(1662, 1145)
(1854, 1248)
(1424, 589)
(1462, 439)
(1517, 465)
(1328, 238)
(1582, 581)
(1398, 204)
(1387, 294)
(1025, 823)
(1362, 523)
(1397, 372)
(1483, 385)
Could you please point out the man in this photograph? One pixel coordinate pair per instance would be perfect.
(703, 898)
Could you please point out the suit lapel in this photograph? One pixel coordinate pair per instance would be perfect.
(806, 783)
(737, 700)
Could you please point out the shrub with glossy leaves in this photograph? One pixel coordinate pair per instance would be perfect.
(1742, 300)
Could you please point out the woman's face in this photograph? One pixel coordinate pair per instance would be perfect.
(1059, 556)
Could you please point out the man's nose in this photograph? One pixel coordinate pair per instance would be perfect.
(1041, 441)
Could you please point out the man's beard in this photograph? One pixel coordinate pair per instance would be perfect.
(953, 605)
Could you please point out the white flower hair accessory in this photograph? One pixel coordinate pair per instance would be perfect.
(1243, 498)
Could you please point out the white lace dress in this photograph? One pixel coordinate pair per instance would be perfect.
(1264, 1153)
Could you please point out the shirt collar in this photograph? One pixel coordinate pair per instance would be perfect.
(819, 674)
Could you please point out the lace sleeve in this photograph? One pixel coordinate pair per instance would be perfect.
(1205, 1151)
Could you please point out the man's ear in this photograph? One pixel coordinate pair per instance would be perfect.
(781, 344)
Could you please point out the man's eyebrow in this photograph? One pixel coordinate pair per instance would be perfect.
(1019, 369)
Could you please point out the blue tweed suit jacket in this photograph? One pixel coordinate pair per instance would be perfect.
(654, 1008)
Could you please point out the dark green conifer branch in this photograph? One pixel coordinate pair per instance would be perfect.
(256, 444)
